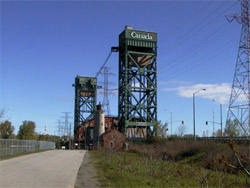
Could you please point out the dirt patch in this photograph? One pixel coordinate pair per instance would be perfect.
(86, 176)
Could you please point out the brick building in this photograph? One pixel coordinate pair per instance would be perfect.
(112, 139)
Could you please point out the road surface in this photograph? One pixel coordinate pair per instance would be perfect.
(57, 168)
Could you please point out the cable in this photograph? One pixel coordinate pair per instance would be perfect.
(178, 24)
(172, 62)
(193, 64)
(215, 31)
(199, 24)
(104, 64)
(198, 64)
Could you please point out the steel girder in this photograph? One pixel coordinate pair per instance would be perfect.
(137, 105)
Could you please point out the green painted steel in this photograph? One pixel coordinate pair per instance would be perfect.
(85, 99)
(137, 100)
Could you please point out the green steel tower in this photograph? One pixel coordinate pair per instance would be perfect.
(85, 99)
(137, 100)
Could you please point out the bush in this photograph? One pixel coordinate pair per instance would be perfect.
(208, 154)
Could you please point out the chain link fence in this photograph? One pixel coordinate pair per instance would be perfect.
(9, 147)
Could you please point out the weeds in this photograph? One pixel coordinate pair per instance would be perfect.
(207, 154)
(123, 169)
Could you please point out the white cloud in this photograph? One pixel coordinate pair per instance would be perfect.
(136, 84)
(218, 92)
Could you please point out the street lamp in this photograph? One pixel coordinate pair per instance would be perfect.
(220, 118)
(170, 119)
(194, 109)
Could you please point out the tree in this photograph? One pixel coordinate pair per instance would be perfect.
(6, 130)
(1, 114)
(162, 130)
(27, 130)
(232, 128)
(204, 134)
(159, 130)
(181, 130)
(218, 133)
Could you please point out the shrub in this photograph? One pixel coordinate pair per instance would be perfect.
(208, 154)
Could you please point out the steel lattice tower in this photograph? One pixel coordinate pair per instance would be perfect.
(85, 99)
(240, 95)
(106, 91)
(137, 102)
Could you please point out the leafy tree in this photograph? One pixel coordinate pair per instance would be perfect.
(27, 130)
(232, 128)
(6, 130)
(181, 130)
(204, 134)
(159, 130)
(1, 114)
(218, 133)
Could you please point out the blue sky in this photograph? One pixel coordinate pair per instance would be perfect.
(44, 45)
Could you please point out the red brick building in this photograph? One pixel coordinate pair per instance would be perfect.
(112, 139)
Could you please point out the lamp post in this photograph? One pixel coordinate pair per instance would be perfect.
(170, 120)
(194, 109)
(220, 118)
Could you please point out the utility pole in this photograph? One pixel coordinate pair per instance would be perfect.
(194, 110)
(213, 124)
(171, 121)
(220, 116)
(241, 82)
(221, 119)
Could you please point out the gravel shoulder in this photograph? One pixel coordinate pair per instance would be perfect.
(87, 175)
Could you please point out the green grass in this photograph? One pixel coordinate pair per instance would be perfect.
(122, 169)
(20, 154)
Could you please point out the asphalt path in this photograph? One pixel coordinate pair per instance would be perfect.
(57, 168)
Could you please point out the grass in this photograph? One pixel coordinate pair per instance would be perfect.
(20, 154)
(123, 169)
(208, 154)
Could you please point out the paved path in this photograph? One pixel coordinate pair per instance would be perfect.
(57, 169)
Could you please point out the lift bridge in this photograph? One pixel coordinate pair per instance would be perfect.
(137, 97)
(85, 101)
(137, 101)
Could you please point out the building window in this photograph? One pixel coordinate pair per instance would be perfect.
(111, 145)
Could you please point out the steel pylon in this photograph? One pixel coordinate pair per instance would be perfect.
(240, 94)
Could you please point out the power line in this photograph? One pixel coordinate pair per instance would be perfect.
(172, 62)
(197, 62)
(179, 20)
(199, 24)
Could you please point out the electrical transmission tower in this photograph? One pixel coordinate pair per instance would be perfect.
(60, 128)
(66, 128)
(106, 91)
(240, 95)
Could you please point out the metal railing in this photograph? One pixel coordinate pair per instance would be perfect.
(9, 147)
